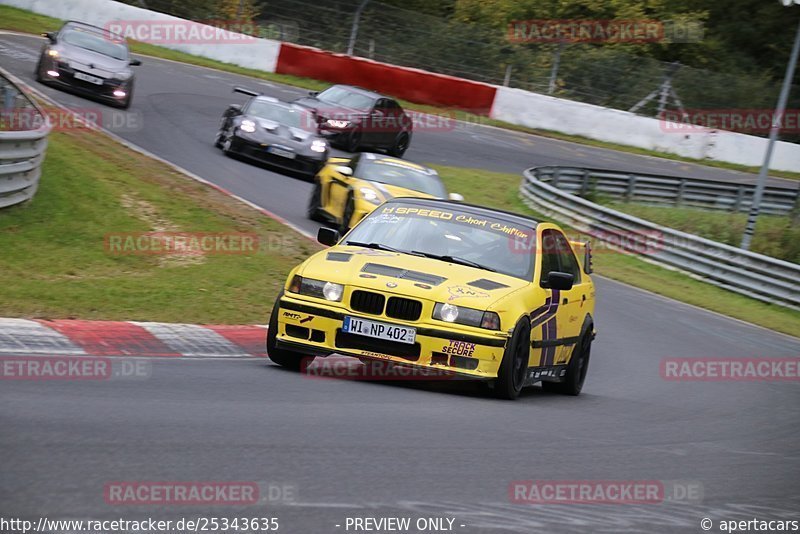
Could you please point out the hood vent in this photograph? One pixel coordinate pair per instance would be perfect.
(405, 274)
(486, 284)
(343, 257)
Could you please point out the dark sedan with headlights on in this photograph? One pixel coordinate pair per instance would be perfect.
(276, 133)
(354, 118)
(88, 60)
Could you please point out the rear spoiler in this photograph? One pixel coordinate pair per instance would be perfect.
(583, 249)
(246, 91)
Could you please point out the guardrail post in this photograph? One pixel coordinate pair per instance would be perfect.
(631, 187)
(681, 190)
(795, 214)
(585, 183)
(556, 176)
(737, 206)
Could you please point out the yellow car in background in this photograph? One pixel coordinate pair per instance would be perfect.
(346, 190)
(444, 287)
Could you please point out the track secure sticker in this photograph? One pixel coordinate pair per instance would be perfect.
(459, 348)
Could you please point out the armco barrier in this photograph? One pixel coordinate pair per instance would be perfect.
(410, 84)
(755, 275)
(670, 190)
(21, 152)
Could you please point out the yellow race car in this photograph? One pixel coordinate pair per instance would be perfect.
(447, 287)
(346, 190)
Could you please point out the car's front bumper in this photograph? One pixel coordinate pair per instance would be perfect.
(301, 163)
(66, 79)
(315, 328)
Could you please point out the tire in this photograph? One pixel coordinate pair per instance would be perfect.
(314, 210)
(127, 102)
(349, 208)
(576, 370)
(226, 145)
(39, 77)
(400, 145)
(285, 358)
(514, 366)
(354, 141)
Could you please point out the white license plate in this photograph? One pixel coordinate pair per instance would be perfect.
(388, 332)
(281, 152)
(89, 78)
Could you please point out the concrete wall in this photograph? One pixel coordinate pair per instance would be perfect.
(541, 111)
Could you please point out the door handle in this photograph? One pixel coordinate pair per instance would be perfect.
(565, 301)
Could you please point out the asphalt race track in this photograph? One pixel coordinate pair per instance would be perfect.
(359, 449)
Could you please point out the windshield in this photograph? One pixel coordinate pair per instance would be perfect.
(344, 96)
(486, 241)
(288, 116)
(95, 43)
(393, 173)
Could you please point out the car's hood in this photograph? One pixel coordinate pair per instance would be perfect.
(89, 61)
(328, 110)
(413, 276)
(269, 131)
(387, 191)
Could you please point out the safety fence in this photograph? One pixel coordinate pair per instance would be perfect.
(22, 143)
(755, 275)
(669, 190)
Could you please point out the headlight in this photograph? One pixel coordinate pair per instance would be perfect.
(467, 316)
(337, 123)
(248, 126)
(52, 53)
(369, 195)
(318, 145)
(123, 75)
(316, 288)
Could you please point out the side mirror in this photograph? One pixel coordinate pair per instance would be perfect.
(562, 281)
(456, 197)
(233, 110)
(51, 36)
(135, 62)
(313, 94)
(328, 236)
(343, 169)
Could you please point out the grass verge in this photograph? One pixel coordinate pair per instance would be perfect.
(56, 264)
(20, 20)
(625, 267)
(775, 236)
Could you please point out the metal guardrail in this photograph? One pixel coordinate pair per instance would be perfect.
(23, 139)
(755, 275)
(670, 190)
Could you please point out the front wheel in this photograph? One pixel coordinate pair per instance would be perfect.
(314, 210)
(285, 358)
(353, 141)
(400, 145)
(576, 370)
(347, 216)
(513, 368)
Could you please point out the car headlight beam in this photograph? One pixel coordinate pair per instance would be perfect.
(335, 123)
(369, 195)
(248, 126)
